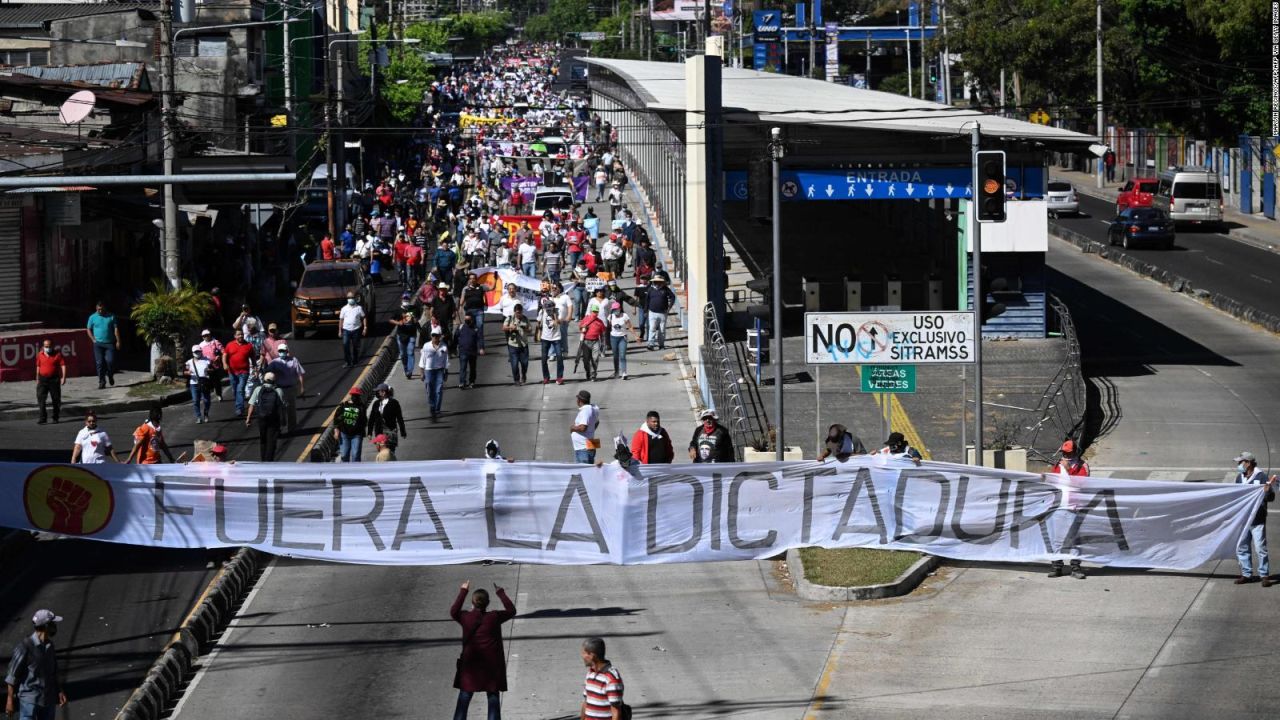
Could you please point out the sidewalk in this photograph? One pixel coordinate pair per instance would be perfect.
(1254, 230)
(133, 391)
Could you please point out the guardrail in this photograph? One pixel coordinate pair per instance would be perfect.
(1062, 406)
(725, 383)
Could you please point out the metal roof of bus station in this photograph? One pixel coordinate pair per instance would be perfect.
(785, 99)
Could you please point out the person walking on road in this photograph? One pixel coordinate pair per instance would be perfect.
(148, 440)
(199, 382)
(92, 445)
(482, 665)
(386, 417)
(470, 348)
(658, 301)
(527, 252)
(33, 682)
(349, 425)
(603, 690)
(1071, 465)
(593, 332)
(651, 444)
(354, 327)
(239, 356)
(549, 333)
(711, 441)
(841, 443)
(517, 329)
(620, 328)
(104, 333)
(406, 330)
(434, 361)
(268, 403)
(1255, 539)
(385, 452)
(583, 431)
(51, 375)
(290, 376)
(271, 343)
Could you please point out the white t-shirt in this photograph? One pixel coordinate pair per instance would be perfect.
(93, 445)
(564, 304)
(351, 317)
(507, 305)
(550, 324)
(434, 358)
(588, 415)
(199, 368)
(528, 253)
(619, 325)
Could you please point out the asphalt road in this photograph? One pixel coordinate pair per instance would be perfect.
(1210, 260)
(121, 603)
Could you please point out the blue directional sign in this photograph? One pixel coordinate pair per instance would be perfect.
(884, 184)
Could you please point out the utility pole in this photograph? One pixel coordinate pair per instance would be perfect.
(910, 90)
(975, 236)
(330, 171)
(945, 65)
(1101, 119)
(813, 48)
(169, 243)
(775, 149)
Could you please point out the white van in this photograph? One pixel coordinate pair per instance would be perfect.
(1190, 195)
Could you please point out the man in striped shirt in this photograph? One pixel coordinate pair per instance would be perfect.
(602, 697)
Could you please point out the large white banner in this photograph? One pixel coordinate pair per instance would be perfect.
(441, 512)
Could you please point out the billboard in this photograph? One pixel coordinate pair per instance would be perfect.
(767, 26)
(683, 10)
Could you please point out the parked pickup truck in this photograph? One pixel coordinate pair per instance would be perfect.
(1136, 193)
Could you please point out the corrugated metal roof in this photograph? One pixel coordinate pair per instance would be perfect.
(35, 15)
(785, 99)
(121, 76)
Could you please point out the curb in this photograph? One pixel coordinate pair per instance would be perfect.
(323, 448)
(210, 616)
(909, 580)
(78, 409)
(1173, 281)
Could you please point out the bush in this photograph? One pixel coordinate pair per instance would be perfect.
(164, 316)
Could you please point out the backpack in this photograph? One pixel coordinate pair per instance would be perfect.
(269, 402)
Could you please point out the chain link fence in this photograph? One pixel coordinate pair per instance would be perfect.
(1060, 413)
(725, 383)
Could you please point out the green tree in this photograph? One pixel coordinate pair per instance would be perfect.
(164, 316)
(562, 16)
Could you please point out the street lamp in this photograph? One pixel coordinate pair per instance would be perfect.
(334, 173)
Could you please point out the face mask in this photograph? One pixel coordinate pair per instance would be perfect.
(51, 630)
(351, 301)
(284, 353)
(1240, 467)
(48, 351)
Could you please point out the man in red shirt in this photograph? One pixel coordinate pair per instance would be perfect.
(1074, 465)
(326, 248)
(51, 375)
(238, 357)
(593, 330)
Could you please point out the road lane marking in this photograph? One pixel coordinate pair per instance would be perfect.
(207, 661)
(1215, 262)
(1259, 277)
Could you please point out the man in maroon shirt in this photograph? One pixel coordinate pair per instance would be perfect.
(51, 375)
(238, 356)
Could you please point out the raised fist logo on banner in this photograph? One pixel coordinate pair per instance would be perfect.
(68, 500)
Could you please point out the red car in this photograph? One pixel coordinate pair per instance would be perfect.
(1136, 193)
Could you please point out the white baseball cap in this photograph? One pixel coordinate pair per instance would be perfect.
(45, 616)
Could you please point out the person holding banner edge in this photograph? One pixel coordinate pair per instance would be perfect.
(481, 665)
(1071, 465)
(1255, 539)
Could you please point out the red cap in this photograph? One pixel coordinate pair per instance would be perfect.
(1069, 446)
(380, 439)
(219, 449)
(356, 391)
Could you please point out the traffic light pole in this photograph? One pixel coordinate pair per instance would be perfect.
(775, 150)
(975, 236)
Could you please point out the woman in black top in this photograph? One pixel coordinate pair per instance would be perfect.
(385, 416)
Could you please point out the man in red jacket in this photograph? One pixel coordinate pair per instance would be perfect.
(651, 445)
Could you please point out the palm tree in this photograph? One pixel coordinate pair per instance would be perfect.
(164, 316)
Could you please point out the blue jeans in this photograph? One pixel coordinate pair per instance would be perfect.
(434, 380)
(657, 330)
(519, 359)
(1255, 537)
(406, 343)
(584, 457)
(549, 348)
(579, 297)
(198, 395)
(530, 269)
(351, 346)
(564, 342)
(349, 447)
(467, 369)
(479, 316)
(618, 344)
(641, 325)
(464, 702)
(31, 711)
(574, 257)
(104, 356)
(239, 381)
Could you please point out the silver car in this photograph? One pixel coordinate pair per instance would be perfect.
(1060, 198)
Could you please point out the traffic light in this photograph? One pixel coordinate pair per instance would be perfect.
(997, 288)
(989, 194)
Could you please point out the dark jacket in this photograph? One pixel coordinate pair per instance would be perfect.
(470, 341)
(659, 299)
(387, 419)
(650, 450)
(716, 447)
(350, 419)
(482, 666)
